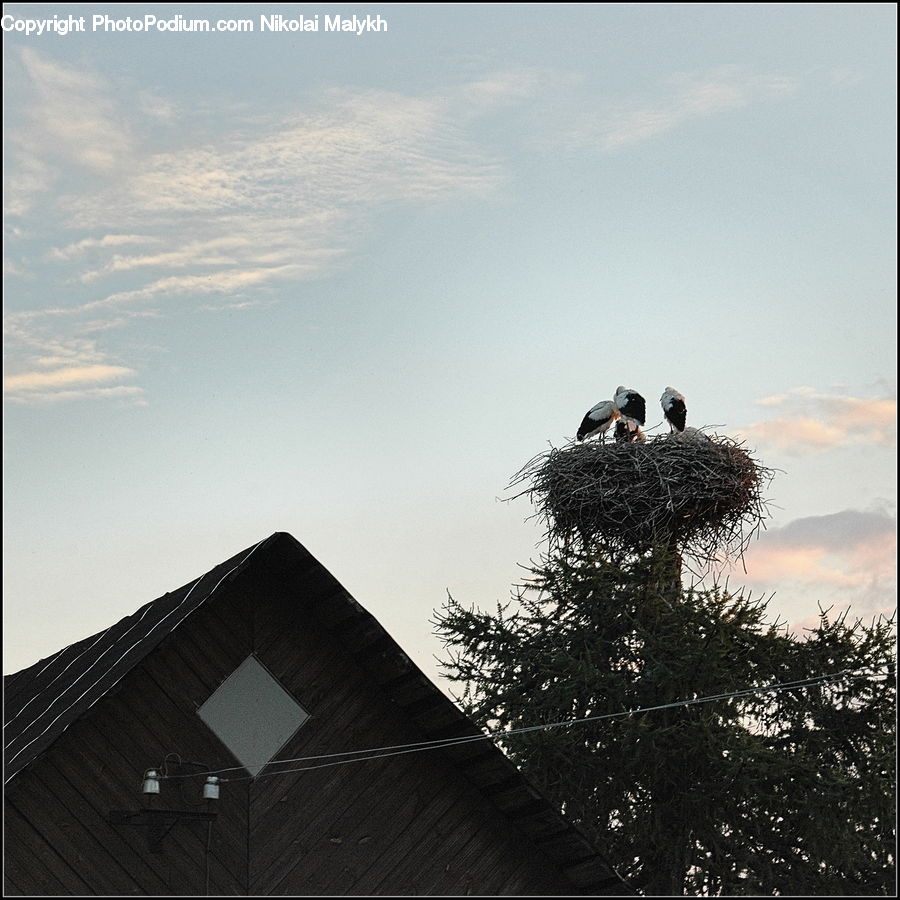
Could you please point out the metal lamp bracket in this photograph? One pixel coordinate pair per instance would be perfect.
(158, 822)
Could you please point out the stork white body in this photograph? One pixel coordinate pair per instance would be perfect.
(632, 407)
(674, 409)
(598, 420)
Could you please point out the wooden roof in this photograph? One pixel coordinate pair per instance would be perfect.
(43, 700)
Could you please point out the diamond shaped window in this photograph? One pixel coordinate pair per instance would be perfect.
(252, 714)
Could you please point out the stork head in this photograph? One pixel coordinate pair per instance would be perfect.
(619, 389)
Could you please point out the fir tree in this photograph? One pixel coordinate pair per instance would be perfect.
(789, 791)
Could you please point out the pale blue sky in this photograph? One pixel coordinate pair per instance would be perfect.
(345, 286)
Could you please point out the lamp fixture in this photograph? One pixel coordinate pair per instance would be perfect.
(159, 822)
(151, 782)
(211, 788)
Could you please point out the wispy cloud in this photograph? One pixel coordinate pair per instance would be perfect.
(227, 251)
(158, 107)
(265, 200)
(807, 420)
(230, 281)
(508, 87)
(85, 245)
(31, 178)
(686, 97)
(68, 383)
(45, 364)
(66, 376)
(620, 122)
(71, 349)
(73, 116)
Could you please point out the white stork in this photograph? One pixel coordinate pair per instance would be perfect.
(598, 420)
(674, 409)
(632, 407)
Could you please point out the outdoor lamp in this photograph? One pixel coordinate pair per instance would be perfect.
(211, 788)
(151, 782)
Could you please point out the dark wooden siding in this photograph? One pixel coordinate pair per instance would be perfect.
(435, 822)
(407, 824)
(58, 810)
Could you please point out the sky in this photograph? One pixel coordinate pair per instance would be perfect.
(345, 285)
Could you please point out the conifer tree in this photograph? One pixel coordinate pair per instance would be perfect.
(780, 791)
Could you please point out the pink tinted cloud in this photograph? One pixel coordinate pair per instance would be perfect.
(851, 548)
(807, 421)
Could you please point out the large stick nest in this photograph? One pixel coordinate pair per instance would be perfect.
(700, 493)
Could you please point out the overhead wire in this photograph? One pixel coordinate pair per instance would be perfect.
(443, 743)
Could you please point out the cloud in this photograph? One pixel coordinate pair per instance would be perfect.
(265, 199)
(30, 344)
(73, 116)
(69, 121)
(157, 107)
(237, 304)
(28, 381)
(847, 531)
(227, 251)
(845, 558)
(93, 326)
(31, 178)
(506, 88)
(47, 366)
(682, 98)
(227, 282)
(838, 562)
(79, 248)
(342, 158)
(248, 198)
(807, 421)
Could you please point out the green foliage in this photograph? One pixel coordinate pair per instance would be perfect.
(782, 792)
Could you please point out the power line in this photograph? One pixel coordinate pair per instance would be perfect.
(401, 749)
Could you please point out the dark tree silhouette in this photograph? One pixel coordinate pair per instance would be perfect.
(779, 791)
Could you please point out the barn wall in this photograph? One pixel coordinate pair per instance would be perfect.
(407, 824)
(58, 808)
